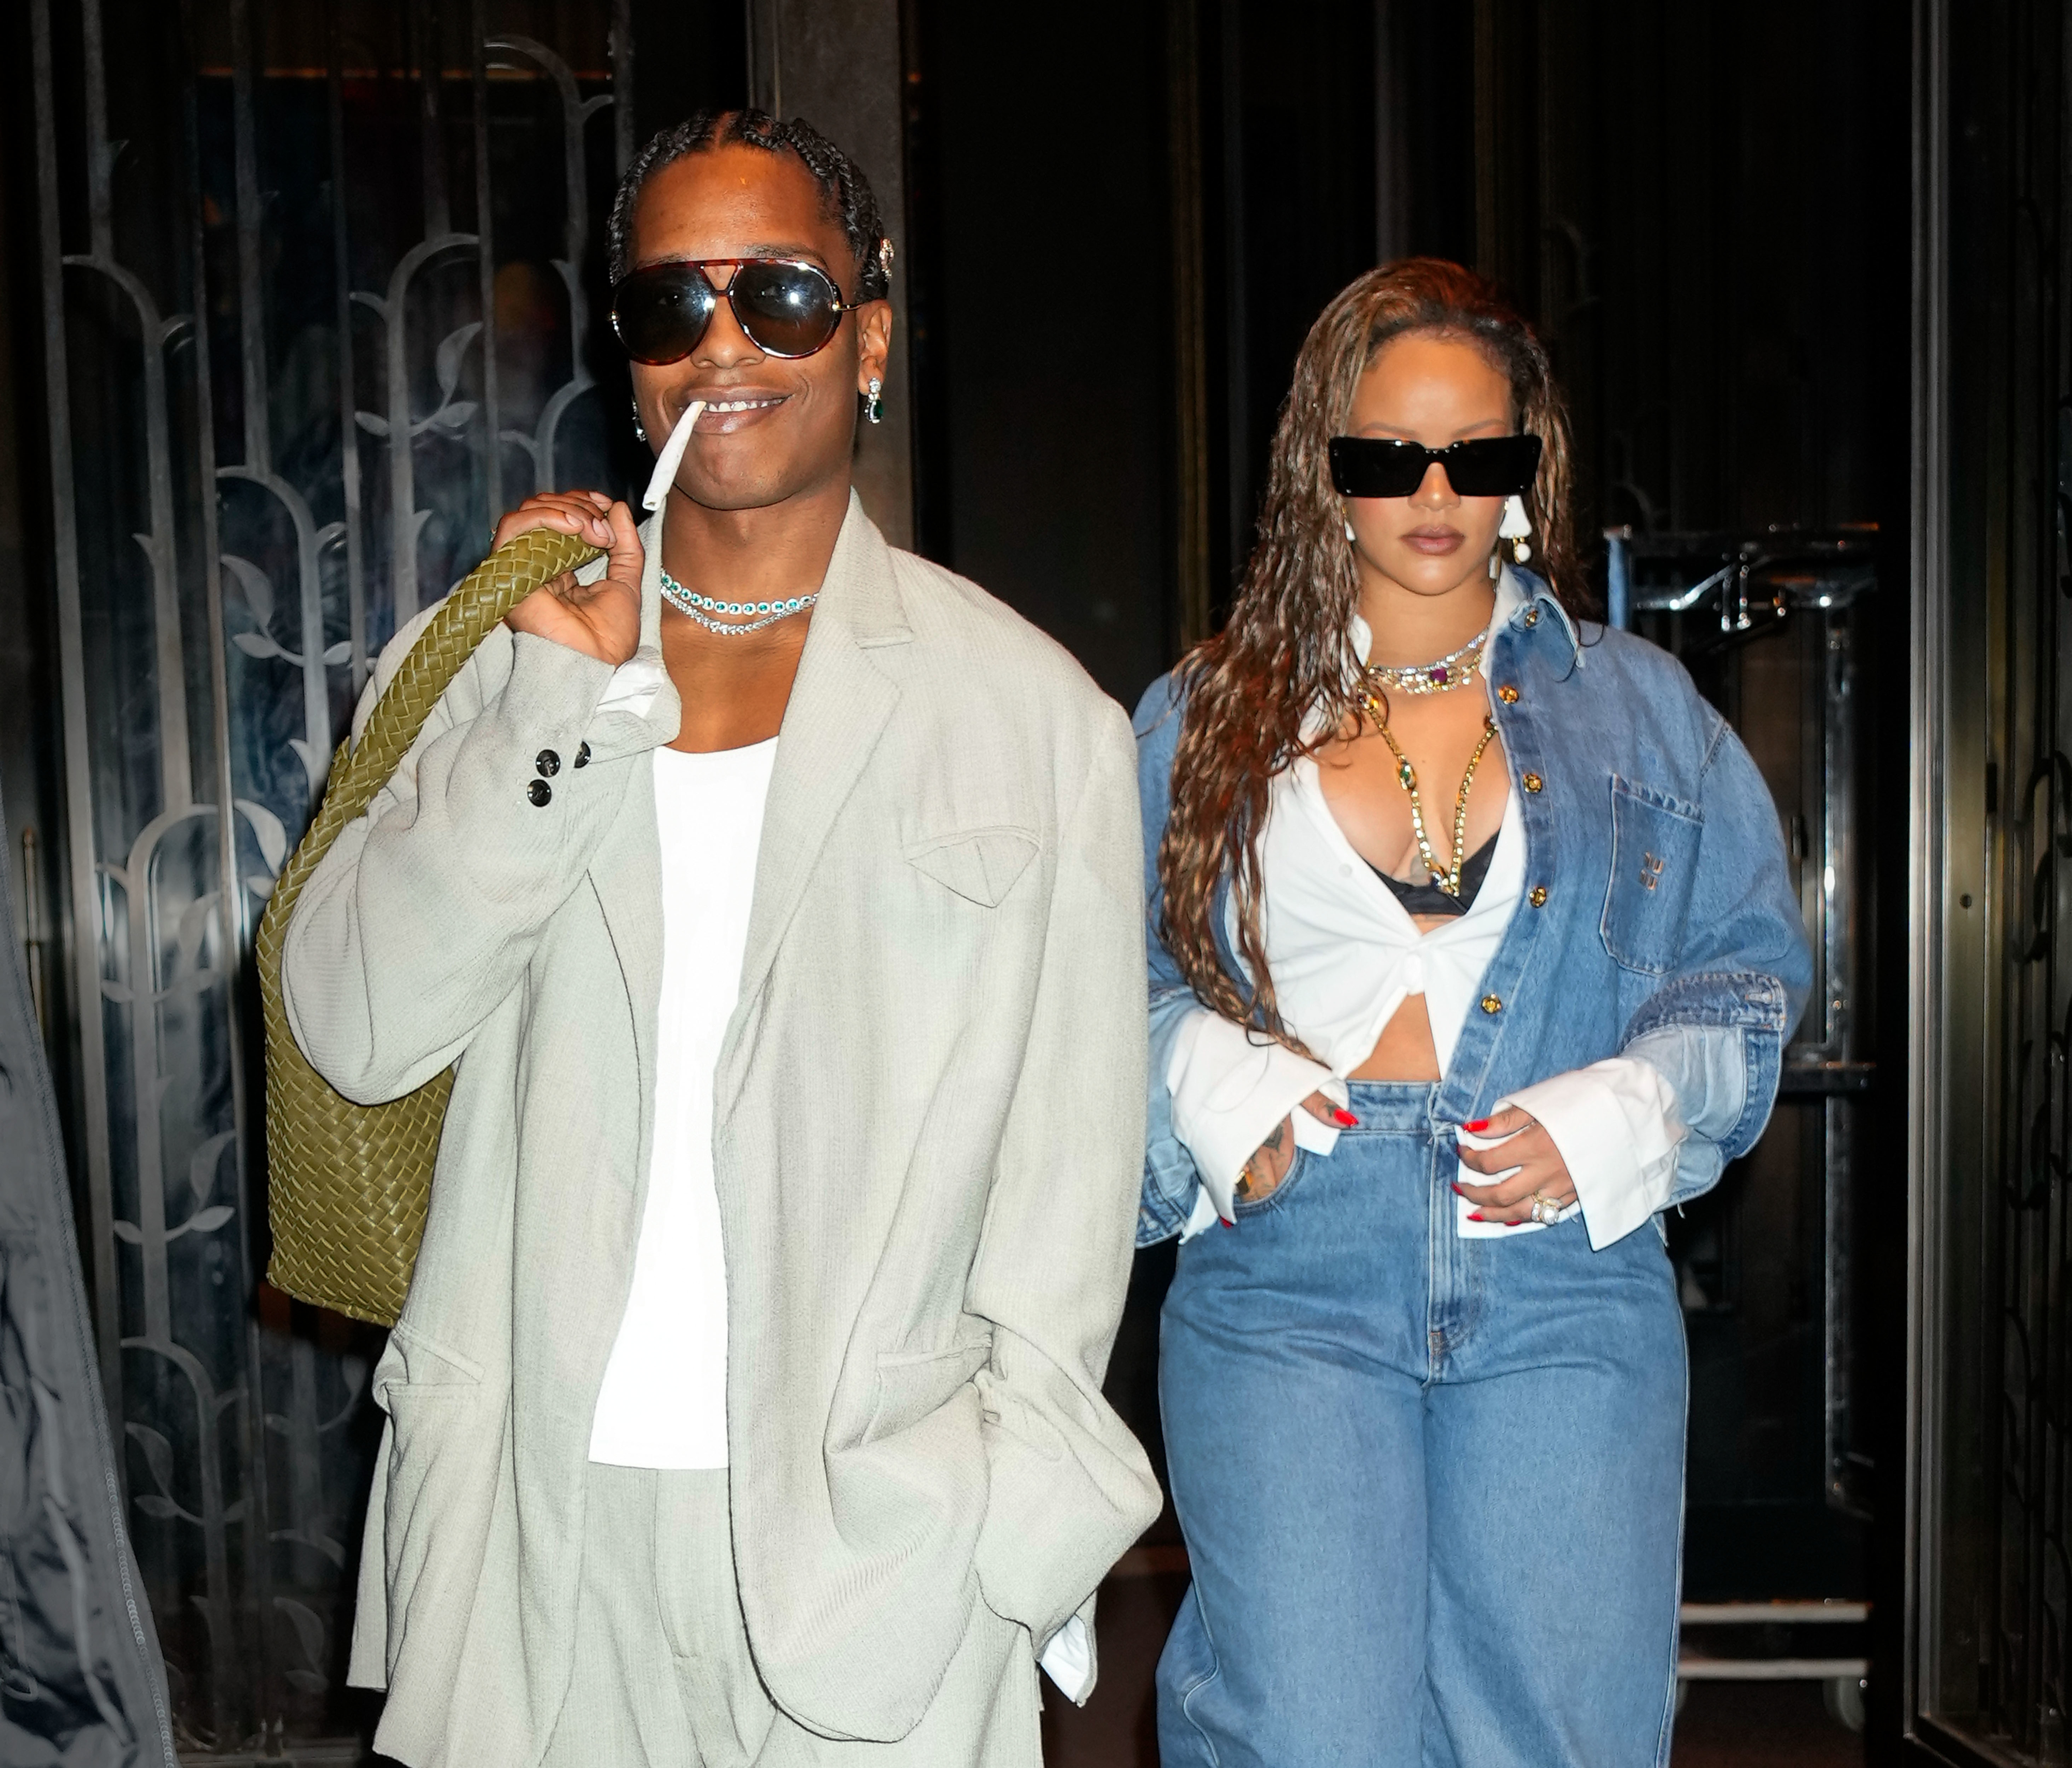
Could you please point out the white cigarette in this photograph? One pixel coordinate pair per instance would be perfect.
(671, 457)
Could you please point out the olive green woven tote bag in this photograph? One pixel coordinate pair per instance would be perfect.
(347, 1184)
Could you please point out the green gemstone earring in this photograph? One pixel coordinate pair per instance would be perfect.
(874, 407)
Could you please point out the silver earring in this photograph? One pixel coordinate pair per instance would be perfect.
(1496, 564)
(1349, 535)
(638, 429)
(1515, 528)
(874, 407)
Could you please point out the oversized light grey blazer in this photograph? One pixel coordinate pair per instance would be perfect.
(928, 1125)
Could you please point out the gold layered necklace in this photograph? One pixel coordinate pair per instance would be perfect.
(1445, 878)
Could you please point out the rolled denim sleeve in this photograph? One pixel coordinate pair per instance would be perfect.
(1716, 1028)
(1170, 1177)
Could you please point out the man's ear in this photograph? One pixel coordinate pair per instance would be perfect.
(873, 332)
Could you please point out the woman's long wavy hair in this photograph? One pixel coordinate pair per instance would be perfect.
(1253, 688)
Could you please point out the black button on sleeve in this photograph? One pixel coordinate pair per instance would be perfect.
(540, 792)
(582, 756)
(548, 764)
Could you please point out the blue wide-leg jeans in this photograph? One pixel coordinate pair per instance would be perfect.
(1432, 1487)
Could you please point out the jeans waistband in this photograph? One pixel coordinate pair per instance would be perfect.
(1393, 1107)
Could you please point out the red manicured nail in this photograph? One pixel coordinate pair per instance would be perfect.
(1477, 1215)
(1458, 1192)
(1514, 1224)
(1344, 1120)
(1476, 1127)
(1226, 1221)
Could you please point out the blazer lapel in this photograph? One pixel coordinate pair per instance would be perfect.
(840, 702)
(627, 875)
(627, 871)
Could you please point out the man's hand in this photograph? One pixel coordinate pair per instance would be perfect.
(602, 619)
(1541, 1172)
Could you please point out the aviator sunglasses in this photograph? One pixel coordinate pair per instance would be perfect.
(785, 306)
(1372, 467)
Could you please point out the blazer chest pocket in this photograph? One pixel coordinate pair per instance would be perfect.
(1654, 861)
(979, 865)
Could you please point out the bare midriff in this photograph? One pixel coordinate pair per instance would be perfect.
(1404, 1051)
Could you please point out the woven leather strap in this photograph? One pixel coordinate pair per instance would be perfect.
(348, 1185)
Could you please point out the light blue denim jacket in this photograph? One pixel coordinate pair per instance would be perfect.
(1669, 930)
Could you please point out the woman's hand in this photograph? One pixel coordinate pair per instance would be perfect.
(602, 619)
(1268, 1166)
(1541, 1172)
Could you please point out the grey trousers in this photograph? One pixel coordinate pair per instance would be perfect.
(665, 1678)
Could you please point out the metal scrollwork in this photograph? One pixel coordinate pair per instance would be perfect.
(279, 421)
(2025, 1603)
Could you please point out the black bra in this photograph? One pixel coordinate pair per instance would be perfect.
(1429, 899)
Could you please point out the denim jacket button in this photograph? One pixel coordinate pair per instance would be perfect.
(1532, 617)
(1491, 1004)
(1507, 694)
(1533, 782)
(1538, 896)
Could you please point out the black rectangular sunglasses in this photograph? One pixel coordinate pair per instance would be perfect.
(1377, 466)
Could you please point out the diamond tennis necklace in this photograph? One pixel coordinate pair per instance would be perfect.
(1456, 669)
(743, 616)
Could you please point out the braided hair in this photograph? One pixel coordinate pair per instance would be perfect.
(844, 191)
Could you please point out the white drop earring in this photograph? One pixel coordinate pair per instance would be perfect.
(1349, 535)
(639, 429)
(1515, 528)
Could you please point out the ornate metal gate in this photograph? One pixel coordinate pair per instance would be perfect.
(320, 280)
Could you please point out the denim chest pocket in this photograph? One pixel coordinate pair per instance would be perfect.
(1655, 862)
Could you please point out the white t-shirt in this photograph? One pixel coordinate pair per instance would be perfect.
(664, 1403)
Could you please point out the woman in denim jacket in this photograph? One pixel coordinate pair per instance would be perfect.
(1476, 949)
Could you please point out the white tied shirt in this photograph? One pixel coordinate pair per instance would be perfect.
(1344, 954)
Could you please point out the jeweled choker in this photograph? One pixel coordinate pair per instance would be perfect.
(742, 616)
(1456, 669)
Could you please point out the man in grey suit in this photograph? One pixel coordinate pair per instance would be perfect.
(777, 896)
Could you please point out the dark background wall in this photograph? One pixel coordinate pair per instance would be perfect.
(1703, 208)
(1042, 318)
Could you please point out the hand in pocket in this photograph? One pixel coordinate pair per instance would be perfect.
(1271, 1161)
